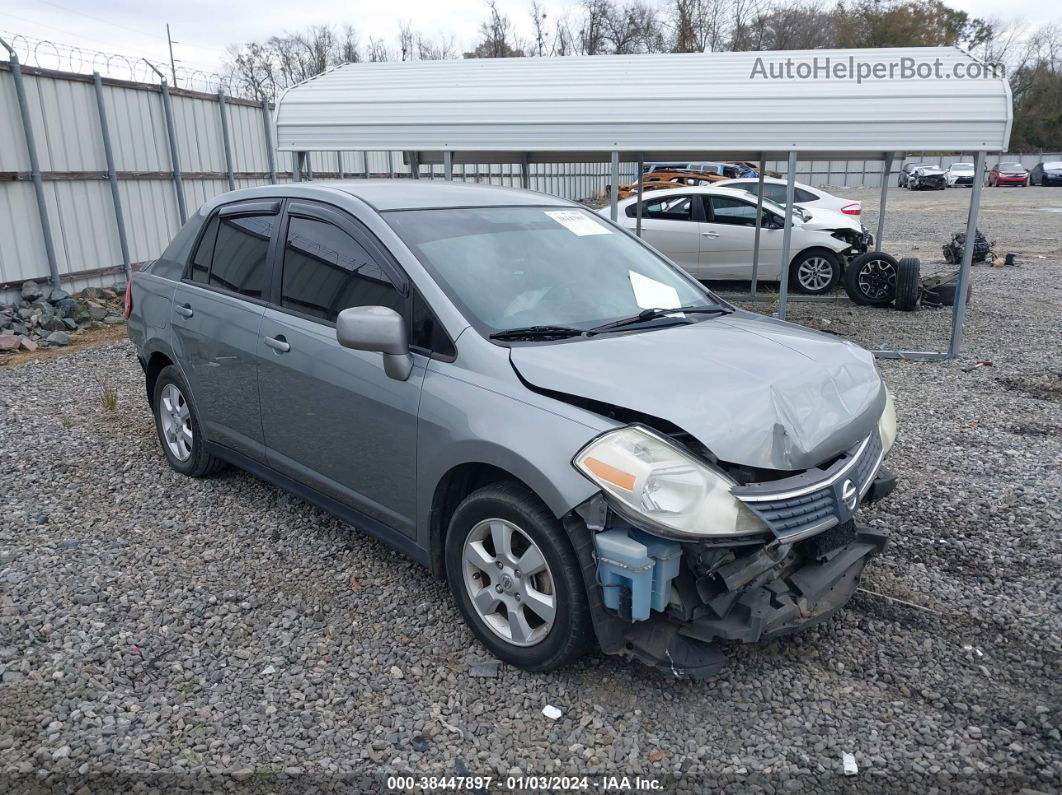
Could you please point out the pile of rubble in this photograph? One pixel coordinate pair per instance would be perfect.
(49, 315)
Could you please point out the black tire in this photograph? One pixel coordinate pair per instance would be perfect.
(870, 279)
(199, 463)
(572, 629)
(908, 283)
(823, 256)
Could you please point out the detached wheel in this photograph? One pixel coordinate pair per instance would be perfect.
(870, 279)
(178, 427)
(908, 283)
(516, 580)
(815, 272)
(944, 294)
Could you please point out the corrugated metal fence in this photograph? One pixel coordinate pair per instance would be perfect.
(168, 147)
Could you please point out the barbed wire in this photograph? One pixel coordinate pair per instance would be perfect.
(60, 57)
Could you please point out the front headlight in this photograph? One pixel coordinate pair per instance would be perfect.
(887, 423)
(655, 480)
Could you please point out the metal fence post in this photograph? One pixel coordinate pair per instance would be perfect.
(962, 286)
(35, 167)
(787, 236)
(175, 163)
(759, 224)
(525, 173)
(339, 164)
(112, 175)
(365, 163)
(298, 164)
(225, 139)
(638, 201)
(613, 199)
(268, 125)
(448, 165)
(886, 171)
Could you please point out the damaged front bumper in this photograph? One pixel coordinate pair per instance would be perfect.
(747, 592)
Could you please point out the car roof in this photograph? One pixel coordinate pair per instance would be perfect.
(770, 180)
(402, 194)
(683, 189)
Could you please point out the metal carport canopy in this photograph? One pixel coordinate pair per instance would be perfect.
(657, 106)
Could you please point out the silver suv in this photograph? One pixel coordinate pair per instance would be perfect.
(588, 444)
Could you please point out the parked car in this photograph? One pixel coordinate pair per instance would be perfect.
(711, 233)
(1046, 173)
(1008, 174)
(721, 170)
(959, 174)
(922, 177)
(843, 214)
(803, 195)
(584, 441)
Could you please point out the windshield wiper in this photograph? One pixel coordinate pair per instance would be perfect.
(537, 333)
(652, 314)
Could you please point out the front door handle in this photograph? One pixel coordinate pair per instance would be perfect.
(278, 343)
(184, 310)
(710, 234)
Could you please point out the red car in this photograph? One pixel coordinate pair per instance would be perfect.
(1008, 174)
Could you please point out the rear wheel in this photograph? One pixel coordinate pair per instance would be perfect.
(516, 580)
(870, 279)
(908, 283)
(178, 426)
(815, 272)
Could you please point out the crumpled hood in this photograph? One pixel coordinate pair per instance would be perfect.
(755, 391)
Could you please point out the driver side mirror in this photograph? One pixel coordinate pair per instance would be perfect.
(377, 329)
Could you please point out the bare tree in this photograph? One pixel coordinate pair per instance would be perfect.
(540, 32)
(697, 25)
(497, 37)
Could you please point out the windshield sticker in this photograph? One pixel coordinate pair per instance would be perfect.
(651, 294)
(578, 223)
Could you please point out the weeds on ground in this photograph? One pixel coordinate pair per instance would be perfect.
(66, 422)
(108, 393)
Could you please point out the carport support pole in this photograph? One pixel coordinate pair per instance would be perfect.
(270, 157)
(613, 200)
(112, 175)
(638, 205)
(958, 309)
(759, 221)
(448, 166)
(300, 164)
(886, 171)
(525, 173)
(175, 163)
(339, 164)
(35, 166)
(225, 140)
(365, 162)
(787, 235)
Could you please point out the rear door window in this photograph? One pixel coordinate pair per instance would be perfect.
(204, 253)
(326, 270)
(241, 255)
(667, 208)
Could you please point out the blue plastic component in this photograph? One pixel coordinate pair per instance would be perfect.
(641, 564)
(666, 555)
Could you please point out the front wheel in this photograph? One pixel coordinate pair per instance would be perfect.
(516, 580)
(815, 272)
(870, 279)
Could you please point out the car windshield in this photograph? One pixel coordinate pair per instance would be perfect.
(1054, 164)
(1012, 166)
(521, 267)
(962, 166)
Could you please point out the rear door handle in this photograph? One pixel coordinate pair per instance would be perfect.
(710, 234)
(184, 310)
(278, 343)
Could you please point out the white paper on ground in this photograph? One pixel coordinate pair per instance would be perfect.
(651, 294)
(551, 712)
(578, 223)
(849, 762)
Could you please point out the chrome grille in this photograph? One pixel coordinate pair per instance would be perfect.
(796, 508)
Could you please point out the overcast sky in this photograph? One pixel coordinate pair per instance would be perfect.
(204, 29)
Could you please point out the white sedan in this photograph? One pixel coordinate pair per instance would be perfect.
(710, 232)
(803, 195)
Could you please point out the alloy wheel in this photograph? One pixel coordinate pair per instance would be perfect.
(509, 582)
(815, 273)
(877, 279)
(176, 420)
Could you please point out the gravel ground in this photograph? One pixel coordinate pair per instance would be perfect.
(164, 632)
